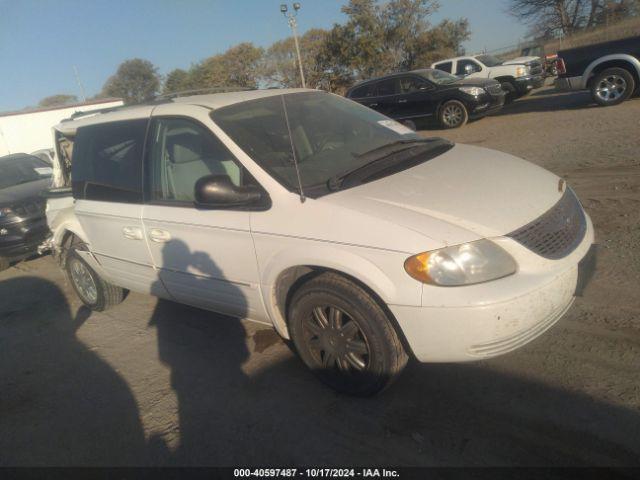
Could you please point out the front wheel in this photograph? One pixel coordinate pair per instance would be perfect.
(453, 114)
(612, 86)
(344, 336)
(95, 293)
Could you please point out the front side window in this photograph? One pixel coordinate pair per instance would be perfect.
(462, 64)
(107, 162)
(411, 84)
(330, 136)
(438, 76)
(181, 153)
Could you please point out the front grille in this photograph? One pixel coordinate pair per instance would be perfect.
(557, 232)
(494, 89)
(535, 67)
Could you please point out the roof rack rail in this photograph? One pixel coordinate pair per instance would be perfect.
(201, 91)
(76, 115)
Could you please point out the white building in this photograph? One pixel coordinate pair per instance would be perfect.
(30, 130)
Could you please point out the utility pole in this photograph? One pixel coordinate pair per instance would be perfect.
(291, 19)
(75, 71)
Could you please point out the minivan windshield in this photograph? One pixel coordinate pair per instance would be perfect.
(332, 136)
(489, 60)
(18, 169)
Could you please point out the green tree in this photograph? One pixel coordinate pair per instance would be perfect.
(379, 38)
(57, 100)
(280, 62)
(177, 80)
(239, 66)
(135, 81)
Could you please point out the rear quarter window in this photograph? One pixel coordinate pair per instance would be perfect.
(444, 66)
(107, 162)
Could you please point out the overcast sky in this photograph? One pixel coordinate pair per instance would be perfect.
(41, 40)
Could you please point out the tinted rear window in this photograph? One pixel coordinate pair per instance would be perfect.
(363, 91)
(107, 162)
(444, 66)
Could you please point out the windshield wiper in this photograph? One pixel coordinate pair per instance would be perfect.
(393, 147)
(383, 157)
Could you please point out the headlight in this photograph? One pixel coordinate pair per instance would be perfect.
(475, 91)
(465, 264)
(521, 71)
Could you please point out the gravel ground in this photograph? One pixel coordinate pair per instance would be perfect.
(155, 383)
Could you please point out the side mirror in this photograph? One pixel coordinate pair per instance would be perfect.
(218, 191)
(468, 69)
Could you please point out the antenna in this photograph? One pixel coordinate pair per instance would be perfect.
(293, 149)
(82, 95)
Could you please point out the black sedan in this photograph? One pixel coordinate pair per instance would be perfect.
(22, 208)
(427, 93)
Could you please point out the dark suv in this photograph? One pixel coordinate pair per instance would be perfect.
(23, 226)
(428, 93)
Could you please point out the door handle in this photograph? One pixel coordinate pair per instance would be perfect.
(373, 105)
(159, 236)
(132, 233)
(403, 100)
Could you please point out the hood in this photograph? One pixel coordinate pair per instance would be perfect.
(521, 60)
(476, 191)
(26, 191)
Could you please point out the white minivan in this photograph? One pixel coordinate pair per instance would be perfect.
(361, 241)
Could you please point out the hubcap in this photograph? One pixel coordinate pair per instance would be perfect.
(611, 88)
(452, 115)
(83, 281)
(335, 340)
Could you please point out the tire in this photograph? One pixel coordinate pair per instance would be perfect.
(612, 86)
(344, 336)
(453, 114)
(96, 293)
(512, 92)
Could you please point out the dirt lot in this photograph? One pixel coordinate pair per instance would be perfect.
(158, 383)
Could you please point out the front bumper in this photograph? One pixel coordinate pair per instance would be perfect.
(20, 240)
(465, 324)
(528, 83)
(488, 104)
(569, 83)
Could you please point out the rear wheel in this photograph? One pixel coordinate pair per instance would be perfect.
(344, 336)
(612, 86)
(453, 114)
(95, 293)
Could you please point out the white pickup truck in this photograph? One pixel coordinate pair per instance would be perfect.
(517, 77)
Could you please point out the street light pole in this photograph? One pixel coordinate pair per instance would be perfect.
(291, 19)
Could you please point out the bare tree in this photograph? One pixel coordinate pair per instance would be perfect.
(548, 17)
